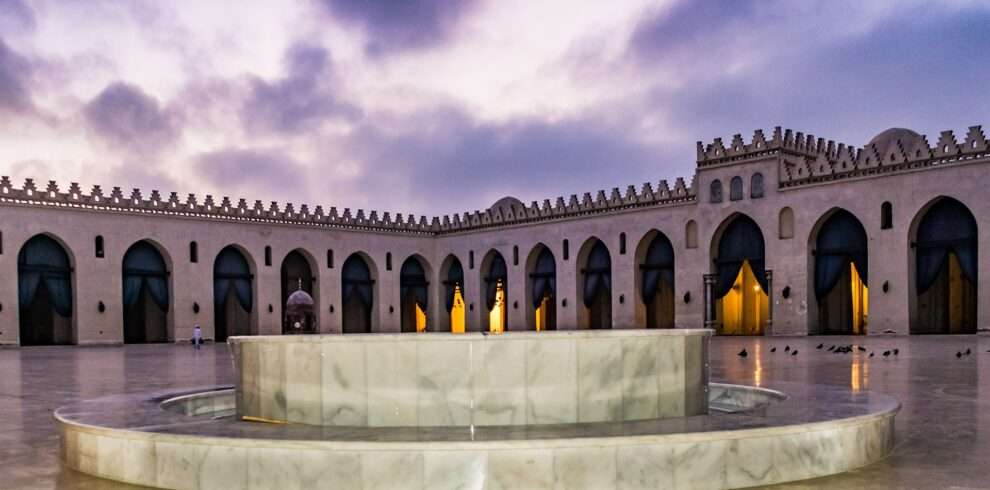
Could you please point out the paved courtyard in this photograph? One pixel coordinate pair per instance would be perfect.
(943, 429)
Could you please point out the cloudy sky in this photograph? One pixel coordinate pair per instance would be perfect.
(443, 106)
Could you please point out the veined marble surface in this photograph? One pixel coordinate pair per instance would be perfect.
(813, 431)
(473, 379)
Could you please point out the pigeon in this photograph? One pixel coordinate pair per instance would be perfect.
(773, 349)
(886, 353)
(862, 349)
(871, 354)
(794, 353)
(968, 352)
(831, 348)
(958, 354)
(743, 353)
(787, 348)
(897, 351)
(823, 345)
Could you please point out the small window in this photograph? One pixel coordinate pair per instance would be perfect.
(691, 234)
(99, 247)
(886, 216)
(193, 252)
(515, 255)
(388, 261)
(1, 243)
(736, 188)
(471, 259)
(268, 256)
(329, 258)
(567, 249)
(622, 243)
(756, 186)
(715, 191)
(786, 224)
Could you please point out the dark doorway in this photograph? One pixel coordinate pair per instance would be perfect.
(597, 274)
(657, 272)
(841, 273)
(413, 289)
(296, 275)
(740, 286)
(44, 293)
(946, 265)
(233, 294)
(145, 295)
(496, 283)
(543, 283)
(357, 295)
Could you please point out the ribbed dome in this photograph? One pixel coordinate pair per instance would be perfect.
(909, 139)
(508, 203)
(299, 298)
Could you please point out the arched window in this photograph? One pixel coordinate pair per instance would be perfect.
(268, 255)
(193, 252)
(567, 249)
(388, 261)
(515, 255)
(736, 188)
(99, 247)
(756, 186)
(691, 234)
(329, 258)
(471, 259)
(622, 243)
(886, 216)
(715, 192)
(786, 224)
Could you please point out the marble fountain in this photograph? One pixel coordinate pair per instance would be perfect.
(578, 409)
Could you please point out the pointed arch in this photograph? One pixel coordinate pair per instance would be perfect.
(45, 292)
(146, 293)
(541, 289)
(233, 293)
(594, 285)
(452, 278)
(838, 280)
(358, 288)
(495, 290)
(298, 272)
(654, 281)
(738, 299)
(413, 294)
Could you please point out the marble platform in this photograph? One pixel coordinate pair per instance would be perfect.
(473, 379)
(752, 436)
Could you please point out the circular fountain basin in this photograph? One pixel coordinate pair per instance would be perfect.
(751, 436)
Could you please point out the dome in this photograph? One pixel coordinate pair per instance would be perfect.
(508, 203)
(909, 139)
(299, 298)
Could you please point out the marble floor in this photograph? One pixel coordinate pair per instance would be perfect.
(943, 428)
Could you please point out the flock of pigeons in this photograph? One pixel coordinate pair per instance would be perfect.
(846, 349)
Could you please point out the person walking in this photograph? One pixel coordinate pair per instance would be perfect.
(197, 336)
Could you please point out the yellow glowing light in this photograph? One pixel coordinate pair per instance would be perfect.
(496, 318)
(420, 319)
(860, 303)
(758, 372)
(457, 312)
(541, 314)
(744, 310)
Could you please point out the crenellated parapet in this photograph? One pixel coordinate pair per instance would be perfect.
(226, 209)
(805, 159)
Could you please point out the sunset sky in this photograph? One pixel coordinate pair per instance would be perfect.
(439, 107)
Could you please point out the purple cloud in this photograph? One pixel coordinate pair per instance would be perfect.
(394, 26)
(16, 16)
(267, 171)
(15, 71)
(125, 116)
(298, 101)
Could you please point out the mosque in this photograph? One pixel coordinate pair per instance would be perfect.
(786, 234)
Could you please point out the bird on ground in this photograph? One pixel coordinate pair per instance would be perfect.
(823, 345)
(773, 349)
(743, 353)
(897, 351)
(787, 348)
(968, 352)
(958, 354)
(794, 353)
(886, 353)
(831, 348)
(861, 348)
(871, 354)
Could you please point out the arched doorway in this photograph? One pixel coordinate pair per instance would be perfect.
(454, 294)
(145, 294)
(542, 289)
(945, 269)
(233, 295)
(595, 285)
(495, 284)
(739, 288)
(656, 280)
(44, 290)
(297, 274)
(357, 295)
(840, 278)
(413, 291)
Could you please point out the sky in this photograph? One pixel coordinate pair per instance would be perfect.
(443, 106)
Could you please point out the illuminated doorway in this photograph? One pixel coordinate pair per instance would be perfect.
(454, 292)
(357, 295)
(233, 295)
(595, 286)
(145, 294)
(656, 282)
(945, 270)
(44, 282)
(542, 289)
(413, 289)
(496, 286)
(840, 278)
(738, 292)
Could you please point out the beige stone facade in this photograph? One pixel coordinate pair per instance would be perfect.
(808, 176)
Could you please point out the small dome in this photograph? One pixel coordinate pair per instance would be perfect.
(508, 203)
(299, 298)
(909, 139)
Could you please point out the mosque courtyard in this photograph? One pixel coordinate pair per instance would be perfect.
(942, 430)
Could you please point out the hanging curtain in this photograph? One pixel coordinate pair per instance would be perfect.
(455, 279)
(741, 241)
(145, 268)
(841, 240)
(43, 259)
(657, 267)
(356, 279)
(947, 227)
(544, 277)
(597, 273)
(412, 280)
(496, 273)
(230, 270)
